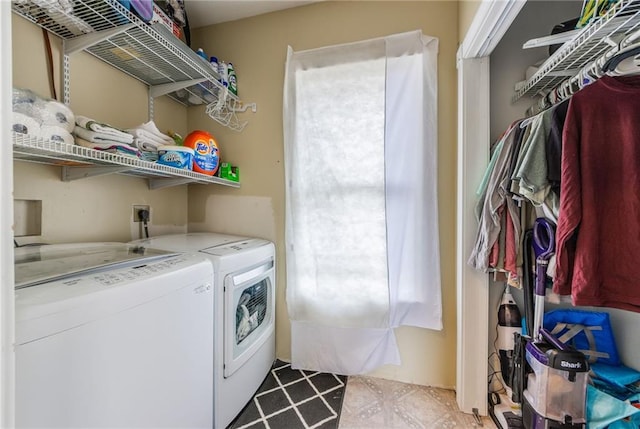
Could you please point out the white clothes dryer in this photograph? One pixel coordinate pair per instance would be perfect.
(244, 314)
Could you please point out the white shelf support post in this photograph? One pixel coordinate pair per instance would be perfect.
(150, 108)
(66, 79)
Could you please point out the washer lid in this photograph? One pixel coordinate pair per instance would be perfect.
(39, 264)
(235, 247)
(77, 300)
(191, 242)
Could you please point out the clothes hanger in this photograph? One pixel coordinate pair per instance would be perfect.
(527, 121)
(630, 39)
(629, 66)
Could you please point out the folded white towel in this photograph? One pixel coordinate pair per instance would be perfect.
(96, 137)
(93, 125)
(151, 128)
(111, 147)
(147, 145)
(150, 137)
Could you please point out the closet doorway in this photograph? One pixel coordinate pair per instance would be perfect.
(491, 21)
(485, 110)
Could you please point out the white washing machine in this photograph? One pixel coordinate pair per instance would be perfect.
(112, 335)
(244, 316)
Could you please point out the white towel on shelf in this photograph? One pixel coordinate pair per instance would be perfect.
(93, 125)
(96, 137)
(147, 145)
(150, 137)
(24, 124)
(150, 131)
(111, 147)
(56, 134)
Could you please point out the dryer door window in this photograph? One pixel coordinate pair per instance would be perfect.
(249, 313)
(251, 309)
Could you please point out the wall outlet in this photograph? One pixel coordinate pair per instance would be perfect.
(137, 208)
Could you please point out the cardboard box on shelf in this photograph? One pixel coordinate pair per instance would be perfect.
(160, 17)
(229, 172)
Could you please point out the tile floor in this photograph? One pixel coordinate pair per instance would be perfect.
(374, 403)
(293, 399)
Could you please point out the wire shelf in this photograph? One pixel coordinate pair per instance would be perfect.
(80, 162)
(149, 53)
(594, 40)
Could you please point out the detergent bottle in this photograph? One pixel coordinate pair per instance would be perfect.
(233, 80)
(206, 156)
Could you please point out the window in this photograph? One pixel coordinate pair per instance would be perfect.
(360, 163)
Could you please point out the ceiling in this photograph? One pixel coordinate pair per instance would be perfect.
(207, 12)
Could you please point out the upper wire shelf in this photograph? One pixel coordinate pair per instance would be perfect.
(593, 41)
(149, 53)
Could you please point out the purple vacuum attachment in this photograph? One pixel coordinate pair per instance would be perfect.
(544, 248)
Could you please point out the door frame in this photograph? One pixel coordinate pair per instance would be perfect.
(490, 23)
(7, 321)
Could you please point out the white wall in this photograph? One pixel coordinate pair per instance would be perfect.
(257, 47)
(97, 208)
(509, 61)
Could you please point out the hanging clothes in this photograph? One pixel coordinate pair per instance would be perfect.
(493, 198)
(554, 145)
(530, 179)
(598, 233)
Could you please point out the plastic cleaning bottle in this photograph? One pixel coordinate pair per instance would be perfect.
(223, 71)
(214, 64)
(201, 52)
(204, 93)
(233, 80)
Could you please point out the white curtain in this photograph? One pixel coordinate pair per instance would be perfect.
(360, 131)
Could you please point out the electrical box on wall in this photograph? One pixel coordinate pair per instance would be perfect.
(141, 212)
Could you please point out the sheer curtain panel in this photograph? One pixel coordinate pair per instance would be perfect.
(360, 129)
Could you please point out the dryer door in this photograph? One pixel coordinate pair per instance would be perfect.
(249, 313)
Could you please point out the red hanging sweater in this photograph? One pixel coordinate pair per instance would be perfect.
(598, 233)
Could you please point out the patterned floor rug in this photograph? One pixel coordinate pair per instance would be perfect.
(294, 399)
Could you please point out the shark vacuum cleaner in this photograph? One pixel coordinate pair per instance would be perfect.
(547, 378)
(556, 386)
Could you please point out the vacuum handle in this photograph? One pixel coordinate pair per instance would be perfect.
(541, 277)
(553, 340)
